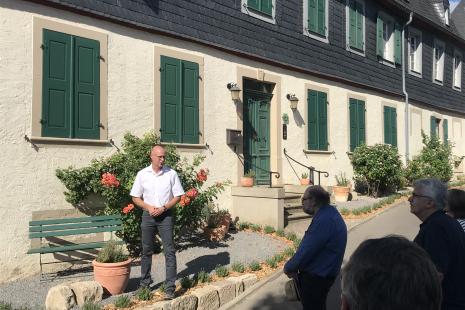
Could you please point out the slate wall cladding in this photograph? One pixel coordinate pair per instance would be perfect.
(222, 23)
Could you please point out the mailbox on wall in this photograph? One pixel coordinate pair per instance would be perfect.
(233, 137)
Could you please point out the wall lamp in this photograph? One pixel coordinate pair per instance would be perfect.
(293, 101)
(235, 91)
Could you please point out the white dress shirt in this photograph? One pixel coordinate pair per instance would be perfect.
(157, 189)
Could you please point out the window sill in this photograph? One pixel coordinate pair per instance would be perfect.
(68, 141)
(257, 14)
(186, 146)
(437, 82)
(318, 152)
(316, 36)
(457, 89)
(416, 74)
(387, 63)
(356, 51)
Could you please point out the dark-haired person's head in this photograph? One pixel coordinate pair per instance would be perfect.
(313, 198)
(456, 203)
(390, 273)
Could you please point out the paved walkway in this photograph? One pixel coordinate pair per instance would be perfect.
(396, 220)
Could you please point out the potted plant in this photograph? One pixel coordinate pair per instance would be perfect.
(248, 179)
(342, 188)
(304, 180)
(112, 268)
(217, 224)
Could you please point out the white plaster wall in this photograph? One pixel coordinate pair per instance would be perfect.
(27, 176)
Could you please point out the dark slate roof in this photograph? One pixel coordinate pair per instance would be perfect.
(458, 17)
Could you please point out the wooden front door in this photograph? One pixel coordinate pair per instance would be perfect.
(257, 131)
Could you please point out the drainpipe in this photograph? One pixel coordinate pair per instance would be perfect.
(404, 90)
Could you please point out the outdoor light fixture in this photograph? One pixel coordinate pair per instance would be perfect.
(293, 100)
(235, 91)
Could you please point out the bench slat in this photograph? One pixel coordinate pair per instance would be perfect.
(65, 248)
(74, 232)
(44, 228)
(76, 220)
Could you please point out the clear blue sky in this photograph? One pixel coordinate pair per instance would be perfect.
(453, 4)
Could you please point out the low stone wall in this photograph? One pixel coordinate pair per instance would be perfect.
(259, 205)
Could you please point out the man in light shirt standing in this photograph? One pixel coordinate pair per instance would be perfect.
(156, 190)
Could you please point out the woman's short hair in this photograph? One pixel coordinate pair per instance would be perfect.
(391, 273)
(456, 203)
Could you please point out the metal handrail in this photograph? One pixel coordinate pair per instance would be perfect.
(276, 174)
(311, 170)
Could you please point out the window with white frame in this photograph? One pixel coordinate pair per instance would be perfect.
(457, 77)
(315, 19)
(355, 25)
(438, 61)
(261, 9)
(388, 39)
(414, 52)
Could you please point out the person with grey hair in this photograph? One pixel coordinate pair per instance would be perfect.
(443, 239)
(318, 258)
(390, 273)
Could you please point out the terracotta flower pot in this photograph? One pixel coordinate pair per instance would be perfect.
(304, 181)
(113, 277)
(218, 233)
(246, 181)
(341, 193)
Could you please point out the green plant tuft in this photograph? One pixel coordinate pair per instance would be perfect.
(280, 232)
(243, 225)
(187, 283)
(255, 227)
(144, 293)
(271, 261)
(345, 211)
(279, 257)
(255, 266)
(203, 277)
(123, 301)
(112, 252)
(297, 242)
(289, 252)
(341, 179)
(291, 236)
(221, 271)
(162, 288)
(238, 267)
(268, 229)
(88, 305)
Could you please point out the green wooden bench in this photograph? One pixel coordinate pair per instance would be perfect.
(60, 227)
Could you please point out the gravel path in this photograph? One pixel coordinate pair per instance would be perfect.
(192, 256)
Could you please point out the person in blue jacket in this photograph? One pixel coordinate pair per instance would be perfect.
(317, 261)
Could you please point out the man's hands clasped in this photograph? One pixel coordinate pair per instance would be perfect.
(156, 211)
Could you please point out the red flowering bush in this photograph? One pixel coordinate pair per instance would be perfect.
(112, 179)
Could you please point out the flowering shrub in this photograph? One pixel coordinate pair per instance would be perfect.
(112, 178)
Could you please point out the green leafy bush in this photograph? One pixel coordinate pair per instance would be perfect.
(112, 252)
(112, 178)
(221, 271)
(238, 267)
(124, 301)
(187, 283)
(144, 293)
(255, 266)
(434, 161)
(380, 166)
(203, 277)
(268, 229)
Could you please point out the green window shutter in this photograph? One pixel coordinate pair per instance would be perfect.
(86, 120)
(170, 99)
(190, 102)
(267, 7)
(361, 122)
(445, 129)
(379, 37)
(353, 124)
(312, 15)
(359, 26)
(312, 120)
(56, 90)
(352, 24)
(398, 44)
(394, 127)
(322, 121)
(433, 126)
(387, 126)
(321, 17)
(253, 4)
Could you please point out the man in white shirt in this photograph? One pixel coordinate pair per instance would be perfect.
(156, 190)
